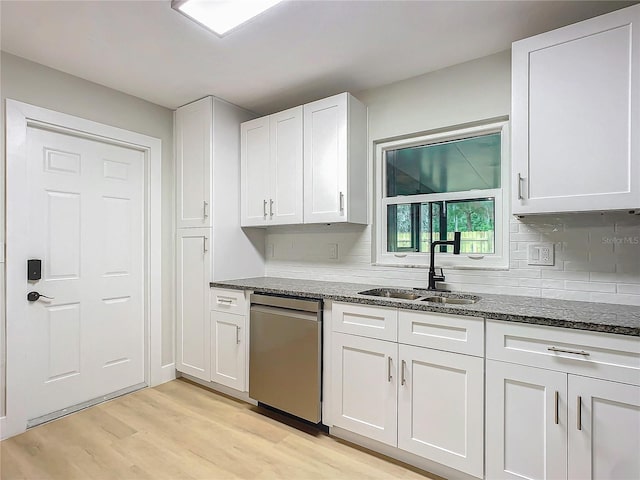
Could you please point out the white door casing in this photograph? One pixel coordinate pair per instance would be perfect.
(22, 118)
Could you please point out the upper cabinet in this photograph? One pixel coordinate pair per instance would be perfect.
(306, 165)
(272, 169)
(193, 127)
(335, 160)
(576, 117)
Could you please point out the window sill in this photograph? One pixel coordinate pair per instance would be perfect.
(492, 268)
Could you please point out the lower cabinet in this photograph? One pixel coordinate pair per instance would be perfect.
(441, 407)
(365, 399)
(548, 417)
(424, 401)
(604, 429)
(526, 422)
(193, 260)
(228, 349)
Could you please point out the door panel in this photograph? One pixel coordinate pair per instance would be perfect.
(228, 349)
(523, 441)
(254, 164)
(86, 222)
(364, 386)
(441, 408)
(325, 160)
(193, 163)
(193, 335)
(286, 166)
(604, 429)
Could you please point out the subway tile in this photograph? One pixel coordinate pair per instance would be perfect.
(525, 237)
(618, 299)
(565, 294)
(628, 289)
(614, 277)
(590, 266)
(590, 286)
(564, 275)
(548, 284)
(513, 228)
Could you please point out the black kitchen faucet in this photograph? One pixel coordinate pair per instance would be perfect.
(433, 278)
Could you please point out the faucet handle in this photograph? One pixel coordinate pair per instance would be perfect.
(439, 278)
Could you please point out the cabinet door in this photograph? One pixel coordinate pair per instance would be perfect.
(364, 383)
(526, 431)
(193, 334)
(228, 349)
(325, 160)
(441, 408)
(254, 172)
(576, 117)
(285, 200)
(193, 132)
(604, 429)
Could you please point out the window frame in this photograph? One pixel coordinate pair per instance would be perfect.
(500, 258)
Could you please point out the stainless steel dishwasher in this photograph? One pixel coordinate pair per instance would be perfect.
(285, 354)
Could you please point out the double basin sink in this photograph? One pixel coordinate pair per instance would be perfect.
(421, 296)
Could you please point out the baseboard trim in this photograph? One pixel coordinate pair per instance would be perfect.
(167, 373)
(400, 455)
(244, 396)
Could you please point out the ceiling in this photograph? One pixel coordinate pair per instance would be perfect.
(294, 53)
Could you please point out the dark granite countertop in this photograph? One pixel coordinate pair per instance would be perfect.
(599, 317)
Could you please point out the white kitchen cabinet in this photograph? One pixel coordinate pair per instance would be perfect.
(364, 386)
(526, 431)
(441, 407)
(335, 160)
(421, 400)
(210, 245)
(193, 136)
(271, 153)
(228, 349)
(604, 429)
(576, 117)
(193, 328)
(544, 381)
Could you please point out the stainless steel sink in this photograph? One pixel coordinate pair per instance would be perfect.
(392, 293)
(451, 300)
(424, 296)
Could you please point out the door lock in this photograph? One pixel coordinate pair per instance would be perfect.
(34, 296)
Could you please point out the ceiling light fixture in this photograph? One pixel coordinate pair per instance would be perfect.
(221, 16)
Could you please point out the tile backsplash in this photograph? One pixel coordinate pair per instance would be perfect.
(597, 258)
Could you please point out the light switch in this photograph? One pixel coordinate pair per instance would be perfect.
(541, 254)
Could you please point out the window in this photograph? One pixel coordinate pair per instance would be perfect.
(431, 186)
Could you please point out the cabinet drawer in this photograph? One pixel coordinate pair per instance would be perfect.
(592, 354)
(441, 331)
(231, 301)
(373, 322)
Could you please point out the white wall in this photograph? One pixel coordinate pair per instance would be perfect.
(42, 86)
(597, 256)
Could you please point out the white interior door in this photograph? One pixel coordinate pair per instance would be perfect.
(86, 223)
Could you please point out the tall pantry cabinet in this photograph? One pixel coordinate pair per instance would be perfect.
(210, 245)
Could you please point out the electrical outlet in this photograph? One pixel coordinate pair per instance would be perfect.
(540, 254)
(332, 251)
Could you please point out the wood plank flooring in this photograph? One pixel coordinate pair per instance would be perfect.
(180, 430)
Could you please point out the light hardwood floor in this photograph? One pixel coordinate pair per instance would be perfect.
(180, 430)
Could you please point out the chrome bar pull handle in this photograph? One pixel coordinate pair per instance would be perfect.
(573, 352)
(271, 207)
(205, 209)
(237, 334)
(579, 413)
(204, 245)
(264, 208)
(520, 197)
(556, 419)
(228, 301)
(402, 368)
(341, 202)
(389, 377)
